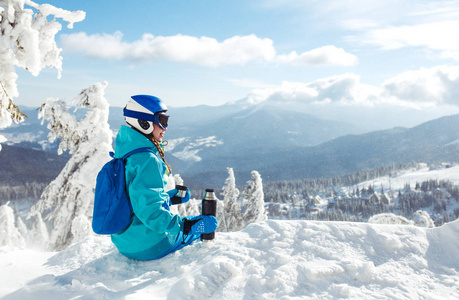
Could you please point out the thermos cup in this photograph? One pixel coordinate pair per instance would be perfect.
(181, 190)
(209, 208)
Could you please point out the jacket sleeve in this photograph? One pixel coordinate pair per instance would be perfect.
(146, 190)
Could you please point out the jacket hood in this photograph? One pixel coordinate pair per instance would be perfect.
(129, 139)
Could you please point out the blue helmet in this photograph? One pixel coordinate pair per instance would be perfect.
(140, 112)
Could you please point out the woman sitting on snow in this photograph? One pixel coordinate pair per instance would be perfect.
(154, 231)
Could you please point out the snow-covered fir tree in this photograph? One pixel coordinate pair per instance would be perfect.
(67, 203)
(34, 231)
(10, 234)
(389, 218)
(232, 218)
(422, 219)
(254, 200)
(27, 32)
(220, 213)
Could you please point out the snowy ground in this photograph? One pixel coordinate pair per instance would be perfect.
(412, 176)
(269, 260)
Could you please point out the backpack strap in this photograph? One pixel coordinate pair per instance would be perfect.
(144, 149)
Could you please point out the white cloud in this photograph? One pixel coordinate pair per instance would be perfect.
(416, 89)
(359, 24)
(322, 56)
(440, 10)
(252, 83)
(343, 89)
(438, 85)
(431, 25)
(203, 50)
(405, 100)
(437, 35)
(450, 54)
(237, 50)
(344, 14)
(391, 24)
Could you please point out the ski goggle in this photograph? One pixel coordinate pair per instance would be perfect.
(161, 120)
(158, 119)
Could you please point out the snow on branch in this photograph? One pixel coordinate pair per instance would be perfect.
(69, 16)
(63, 124)
(27, 40)
(16, 114)
(66, 204)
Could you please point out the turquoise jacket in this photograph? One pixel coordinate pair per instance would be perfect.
(154, 229)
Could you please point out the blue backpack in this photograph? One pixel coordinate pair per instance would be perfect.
(112, 208)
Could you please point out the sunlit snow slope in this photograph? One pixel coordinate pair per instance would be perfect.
(269, 260)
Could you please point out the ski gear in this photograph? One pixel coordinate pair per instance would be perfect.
(154, 229)
(181, 242)
(161, 120)
(176, 199)
(142, 111)
(112, 211)
(199, 224)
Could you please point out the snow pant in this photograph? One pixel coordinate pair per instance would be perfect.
(180, 242)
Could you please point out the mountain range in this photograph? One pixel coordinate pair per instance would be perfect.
(282, 145)
(433, 141)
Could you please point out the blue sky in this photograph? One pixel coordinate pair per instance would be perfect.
(380, 54)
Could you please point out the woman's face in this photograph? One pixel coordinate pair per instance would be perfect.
(158, 132)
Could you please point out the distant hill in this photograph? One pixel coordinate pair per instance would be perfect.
(20, 165)
(261, 128)
(433, 141)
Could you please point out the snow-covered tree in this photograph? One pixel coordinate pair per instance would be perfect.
(35, 231)
(254, 200)
(232, 218)
(27, 41)
(67, 203)
(192, 207)
(389, 218)
(422, 219)
(10, 234)
(219, 215)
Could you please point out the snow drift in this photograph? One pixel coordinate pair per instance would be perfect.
(267, 260)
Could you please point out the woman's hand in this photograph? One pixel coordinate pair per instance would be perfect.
(199, 224)
(176, 199)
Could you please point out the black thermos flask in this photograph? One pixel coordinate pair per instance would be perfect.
(209, 208)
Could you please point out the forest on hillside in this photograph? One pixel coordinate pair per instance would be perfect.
(337, 198)
(324, 199)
